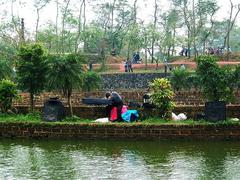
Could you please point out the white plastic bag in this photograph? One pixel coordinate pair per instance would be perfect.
(102, 120)
(178, 117)
(182, 116)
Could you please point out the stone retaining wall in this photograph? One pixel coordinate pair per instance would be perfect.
(129, 80)
(119, 131)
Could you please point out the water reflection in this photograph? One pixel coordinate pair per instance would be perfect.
(55, 159)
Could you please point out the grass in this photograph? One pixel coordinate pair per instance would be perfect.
(36, 118)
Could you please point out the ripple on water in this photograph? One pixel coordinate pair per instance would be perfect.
(119, 160)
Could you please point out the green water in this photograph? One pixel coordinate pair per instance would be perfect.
(49, 159)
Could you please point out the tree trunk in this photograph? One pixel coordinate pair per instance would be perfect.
(79, 27)
(37, 24)
(38, 17)
(70, 104)
(154, 28)
(63, 25)
(31, 102)
(231, 22)
(112, 20)
(84, 26)
(56, 29)
(145, 39)
(194, 29)
(189, 46)
(173, 44)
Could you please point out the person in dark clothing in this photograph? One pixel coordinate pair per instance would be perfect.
(117, 102)
(129, 63)
(136, 57)
(126, 66)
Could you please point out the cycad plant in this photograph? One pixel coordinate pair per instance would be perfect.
(65, 74)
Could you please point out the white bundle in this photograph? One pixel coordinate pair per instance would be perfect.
(102, 120)
(179, 117)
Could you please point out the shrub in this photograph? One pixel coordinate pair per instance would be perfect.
(179, 79)
(216, 82)
(8, 92)
(6, 70)
(237, 76)
(91, 80)
(161, 95)
(193, 81)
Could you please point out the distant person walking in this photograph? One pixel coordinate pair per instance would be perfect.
(126, 66)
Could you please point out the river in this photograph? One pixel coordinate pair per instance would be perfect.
(75, 159)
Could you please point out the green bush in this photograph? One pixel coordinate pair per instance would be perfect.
(6, 70)
(179, 79)
(161, 95)
(216, 82)
(8, 92)
(91, 80)
(237, 76)
(193, 81)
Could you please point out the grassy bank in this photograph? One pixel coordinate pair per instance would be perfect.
(36, 118)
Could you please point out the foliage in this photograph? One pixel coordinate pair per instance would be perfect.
(6, 71)
(216, 82)
(31, 69)
(8, 92)
(161, 95)
(193, 81)
(237, 76)
(179, 79)
(91, 81)
(65, 74)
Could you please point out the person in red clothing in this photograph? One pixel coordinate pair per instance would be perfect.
(116, 101)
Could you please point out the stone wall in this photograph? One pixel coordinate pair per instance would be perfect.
(118, 131)
(128, 80)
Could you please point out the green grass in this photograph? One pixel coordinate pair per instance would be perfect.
(36, 118)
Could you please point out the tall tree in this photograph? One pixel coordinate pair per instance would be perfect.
(39, 5)
(64, 16)
(231, 22)
(31, 68)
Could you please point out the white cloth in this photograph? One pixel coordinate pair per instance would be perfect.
(102, 120)
(179, 117)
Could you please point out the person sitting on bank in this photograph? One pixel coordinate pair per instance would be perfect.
(116, 102)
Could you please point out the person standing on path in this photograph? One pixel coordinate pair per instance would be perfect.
(129, 63)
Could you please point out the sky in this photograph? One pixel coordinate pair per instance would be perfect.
(145, 11)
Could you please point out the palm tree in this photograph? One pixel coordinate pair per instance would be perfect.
(65, 74)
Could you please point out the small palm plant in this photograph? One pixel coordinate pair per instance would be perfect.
(65, 74)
